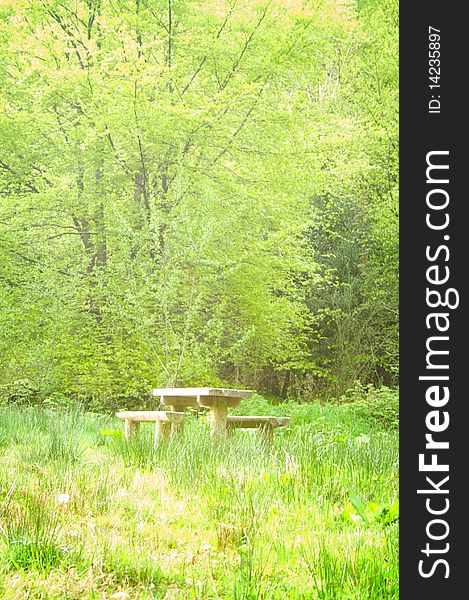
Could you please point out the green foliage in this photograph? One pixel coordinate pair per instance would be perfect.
(128, 568)
(376, 405)
(325, 418)
(356, 511)
(29, 530)
(375, 577)
(237, 518)
(21, 392)
(114, 433)
(197, 193)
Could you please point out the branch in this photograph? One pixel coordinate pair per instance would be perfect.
(238, 129)
(72, 13)
(56, 235)
(73, 39)
(245, 47)
(157, 18)
(35, 262)
(30, 186)
(202, 62)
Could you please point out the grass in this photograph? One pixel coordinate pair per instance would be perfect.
(85, 514)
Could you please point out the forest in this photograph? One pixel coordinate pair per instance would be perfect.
(197, 193)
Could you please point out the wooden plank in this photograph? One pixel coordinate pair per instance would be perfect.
(245, 421)
(195, 392)
(140, 416)
(211, 401)
(180, 401)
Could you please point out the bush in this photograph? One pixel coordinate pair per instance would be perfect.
(20, 393)
(327, 416)
(376, 405)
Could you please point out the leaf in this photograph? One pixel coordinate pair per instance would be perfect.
(394, 510)
(116, 433)
(390, 513)
(359, 506)
(372, 507)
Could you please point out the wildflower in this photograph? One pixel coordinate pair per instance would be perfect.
(63, 498)
(206, 547)
(363, 439)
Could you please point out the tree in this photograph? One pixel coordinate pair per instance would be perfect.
(159, 161)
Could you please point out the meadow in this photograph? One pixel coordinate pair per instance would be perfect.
(86, 514)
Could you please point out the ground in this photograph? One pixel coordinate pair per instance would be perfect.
(85, 514)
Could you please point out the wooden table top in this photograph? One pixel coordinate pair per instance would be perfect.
(206, 391)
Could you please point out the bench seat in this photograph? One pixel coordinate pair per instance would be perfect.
(163, 419)
(266, 424)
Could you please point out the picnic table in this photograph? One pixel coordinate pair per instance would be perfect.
(217, 399)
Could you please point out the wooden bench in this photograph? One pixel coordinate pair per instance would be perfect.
(266, 425)
(164, 421)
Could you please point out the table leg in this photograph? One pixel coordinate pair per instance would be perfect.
(218, 418)
(178, 428)
(162, 431)
(130, 427)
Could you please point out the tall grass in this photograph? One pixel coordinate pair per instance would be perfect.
(30, 532)
(313, 515)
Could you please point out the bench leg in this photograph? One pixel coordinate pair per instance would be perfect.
(130, 428)
(218, 419)
(178, 428)
(267, 432)
(162, 431)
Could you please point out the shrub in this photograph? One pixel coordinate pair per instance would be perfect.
(376, 405)
(20, 392)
